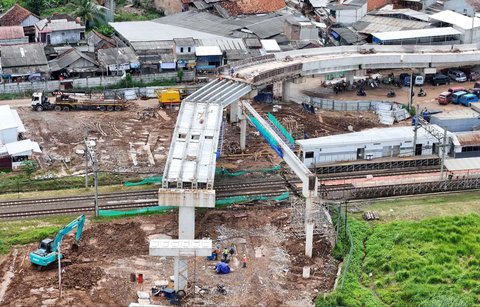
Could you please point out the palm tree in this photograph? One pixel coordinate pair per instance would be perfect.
(89, 11)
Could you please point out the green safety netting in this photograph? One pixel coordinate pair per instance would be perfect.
(241, 199)
(219, 203)
(135, 211)
(225, 172)
(149, 180)
(281, 128)
(270, 139)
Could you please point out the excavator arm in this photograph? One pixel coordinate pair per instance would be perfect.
(77, 223)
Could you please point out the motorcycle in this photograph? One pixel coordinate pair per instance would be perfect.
(422, 93)
(221, 289)
(361, 92)
(391, 94)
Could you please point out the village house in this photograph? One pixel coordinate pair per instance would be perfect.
(59, 31)
(12, 35)
(19, 16)
(24, 62)
(73, 63)
(118, 60)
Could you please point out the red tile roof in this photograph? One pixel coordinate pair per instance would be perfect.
(11, 32)
(14, 16)
(245, 7)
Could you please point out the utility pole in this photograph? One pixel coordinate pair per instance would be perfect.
(90, 154)
(415, 131)
(410, 98)
(444, 150)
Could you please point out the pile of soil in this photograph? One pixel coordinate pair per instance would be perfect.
(81, 277)
(114, 240)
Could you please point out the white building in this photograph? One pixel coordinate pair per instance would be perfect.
(369, 144)
(13, 150)
(468, 26)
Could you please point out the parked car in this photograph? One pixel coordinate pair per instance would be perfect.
(455, 89)
(438, 79)
(467, 99)
(457, 75)
(418, 80)
(444, 98)
(456, 96)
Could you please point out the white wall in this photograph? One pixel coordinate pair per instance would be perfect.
(351, 16)
(8, 135)
(64, 37)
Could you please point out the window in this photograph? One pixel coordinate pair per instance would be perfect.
(189, 49)
(182, 136)
(195, 137)
(309, 155)
(181, 49)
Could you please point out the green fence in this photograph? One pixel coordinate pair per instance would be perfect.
(281, 128)
(219, 203)
(225, 172)
(149, 180)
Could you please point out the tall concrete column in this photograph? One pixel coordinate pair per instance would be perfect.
(186, 231)
(286, 90)
(349, 76)
(234, 112)
(243, 132)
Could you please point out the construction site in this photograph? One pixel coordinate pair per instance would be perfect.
(240, 223)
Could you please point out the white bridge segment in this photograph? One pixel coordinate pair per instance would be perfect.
(192, 154)
(314, 61)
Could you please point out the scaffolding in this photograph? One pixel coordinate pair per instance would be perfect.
(319, 216)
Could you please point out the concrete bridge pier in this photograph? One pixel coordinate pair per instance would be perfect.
(243, 132)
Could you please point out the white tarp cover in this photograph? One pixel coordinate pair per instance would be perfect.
(22, 148)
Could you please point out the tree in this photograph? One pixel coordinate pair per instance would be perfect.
(180, 75)
(105, 30)
(34, 6)
(29, 166)
(89, 12)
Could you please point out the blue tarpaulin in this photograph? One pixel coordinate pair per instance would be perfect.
(222, 268)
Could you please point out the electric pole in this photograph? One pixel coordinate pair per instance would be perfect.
(90, 154)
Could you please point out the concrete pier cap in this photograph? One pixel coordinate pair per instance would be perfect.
(195, 198)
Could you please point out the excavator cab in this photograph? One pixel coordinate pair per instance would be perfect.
(45, 246)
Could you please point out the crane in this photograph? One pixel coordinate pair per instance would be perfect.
(47, 252)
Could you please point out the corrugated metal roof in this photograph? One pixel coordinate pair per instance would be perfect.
(155, 45)
(11, 32)
(23, 147)
(469, 139)
(68, 58)
(117, 56)
(223, 43)
(15, 15)
(269, 27)
(368, 136)
(374, 24)
(406, 34)
(187, 41)
(457, 19)
(58, 25)
(406, 12)
(319, 3)
(349, 35)
(134, 31)
(7, 118)
(462, 164)
(270, 45)
(23, 55)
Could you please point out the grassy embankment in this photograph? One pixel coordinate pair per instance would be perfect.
(424, 252)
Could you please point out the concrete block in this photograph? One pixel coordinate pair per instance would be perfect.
(186, 198)
(306, 272)
(143, 295)
(160, 283)
(144, 302)
(174, 248)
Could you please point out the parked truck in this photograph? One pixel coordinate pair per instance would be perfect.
(66, 101)
(172, 96)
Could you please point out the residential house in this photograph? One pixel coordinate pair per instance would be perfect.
(59, 31)
(118, 60)
(465, 7)
(208, 58)
(300, 28)
(19, 16)
(13, 148)
(184, 52)
(468, 26)
(154, 54)
(12, 35)
(97, 40)
(73, 63)
(24, 62)
(349, 11)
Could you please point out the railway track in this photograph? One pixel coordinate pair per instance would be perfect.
(13, 209)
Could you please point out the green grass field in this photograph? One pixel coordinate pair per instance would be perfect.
(423, 252)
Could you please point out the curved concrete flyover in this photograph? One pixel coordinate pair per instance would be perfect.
(298, 63)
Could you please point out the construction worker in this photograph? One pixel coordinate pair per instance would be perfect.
(225, 254)
(232, 251)
(244, 261)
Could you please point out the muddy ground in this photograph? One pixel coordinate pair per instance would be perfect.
(99, 274)
(137, 139)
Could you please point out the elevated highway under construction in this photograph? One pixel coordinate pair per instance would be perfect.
(197, 139)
